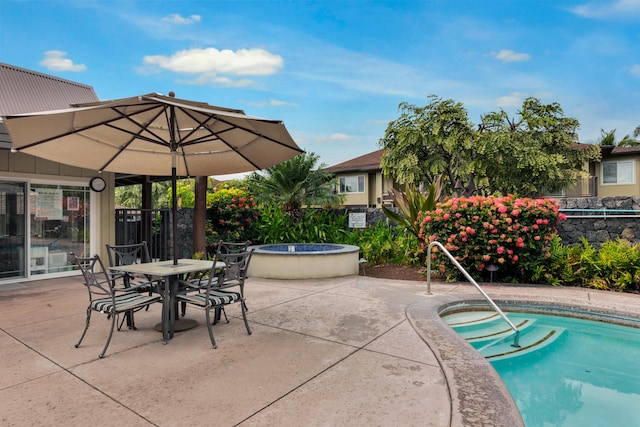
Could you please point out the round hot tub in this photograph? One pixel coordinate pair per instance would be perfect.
(303, 261)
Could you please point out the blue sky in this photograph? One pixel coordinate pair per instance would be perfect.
(336, 71)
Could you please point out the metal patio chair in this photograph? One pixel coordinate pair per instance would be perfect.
(212, 297)
(134, 253)
(200, 280)
(105, 296)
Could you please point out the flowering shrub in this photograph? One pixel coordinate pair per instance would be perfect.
(506, 232)
(233, 216)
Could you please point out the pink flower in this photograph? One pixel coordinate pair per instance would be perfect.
(500, 250)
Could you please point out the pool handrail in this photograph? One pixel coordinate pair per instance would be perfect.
(470, 279)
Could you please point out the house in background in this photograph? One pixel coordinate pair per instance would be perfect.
(616, 175)
(361, 181)
(47, 209)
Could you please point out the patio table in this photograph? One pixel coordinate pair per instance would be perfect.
(171, 273)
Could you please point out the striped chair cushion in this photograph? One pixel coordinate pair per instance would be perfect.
(216, 298)
(124, 302)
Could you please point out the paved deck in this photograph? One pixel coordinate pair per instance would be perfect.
(352, 351)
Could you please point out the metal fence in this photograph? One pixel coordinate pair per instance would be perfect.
(150, 225)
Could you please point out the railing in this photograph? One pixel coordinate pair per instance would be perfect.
(601, 213)
(150, 225)
(470, 279)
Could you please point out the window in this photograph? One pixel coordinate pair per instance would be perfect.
(618, 172)
(59, 216)
(352, 184)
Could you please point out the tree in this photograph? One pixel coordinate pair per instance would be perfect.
(534, 152)
(425, 142)
(295, 183)
(609, 139)
(130, 196)
(537, 152)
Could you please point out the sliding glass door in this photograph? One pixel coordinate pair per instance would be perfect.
(59, 219)
(39, 225)
(12, 229)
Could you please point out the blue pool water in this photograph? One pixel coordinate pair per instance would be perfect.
(589, 376)
(300, 247)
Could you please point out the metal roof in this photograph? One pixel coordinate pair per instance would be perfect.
(26, 91)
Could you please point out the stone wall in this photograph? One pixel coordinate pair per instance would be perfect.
(604, 223)
(185, 233)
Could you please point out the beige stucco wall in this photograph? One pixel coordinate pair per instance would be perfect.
(355, 199)
(376, 186)
(612, 190)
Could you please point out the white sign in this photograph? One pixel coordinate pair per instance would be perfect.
(358, 220)
(49, 203)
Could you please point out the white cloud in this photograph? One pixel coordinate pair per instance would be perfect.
(212, 79)
(339, 137)
(612, 9)
(179, 19)
(55, 60)
(256, 62)
(512, 100)
(273, 103)
(216, 67)
(506, 55)
(635, 70)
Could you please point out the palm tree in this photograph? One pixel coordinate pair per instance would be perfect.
(609, 139)
(295, 183)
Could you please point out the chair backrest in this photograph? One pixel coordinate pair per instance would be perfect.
(232, 247)
(235, 270)
(96, 279)
(134, 253)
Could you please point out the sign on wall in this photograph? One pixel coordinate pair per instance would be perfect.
(358, 220)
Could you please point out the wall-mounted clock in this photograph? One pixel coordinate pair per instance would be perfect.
(97, 184)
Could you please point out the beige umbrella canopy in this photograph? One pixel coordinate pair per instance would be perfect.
(143, 134)
(153, 135)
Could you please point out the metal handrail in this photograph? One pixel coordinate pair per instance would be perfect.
(601, 213)
(463, 271)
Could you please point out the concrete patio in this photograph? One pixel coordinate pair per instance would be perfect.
(353, 351)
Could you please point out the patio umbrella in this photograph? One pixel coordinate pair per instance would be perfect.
(153, 134)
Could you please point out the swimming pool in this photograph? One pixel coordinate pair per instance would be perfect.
(581, 373)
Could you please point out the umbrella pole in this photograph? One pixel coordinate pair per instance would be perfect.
(174, 190)
(174, 208)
